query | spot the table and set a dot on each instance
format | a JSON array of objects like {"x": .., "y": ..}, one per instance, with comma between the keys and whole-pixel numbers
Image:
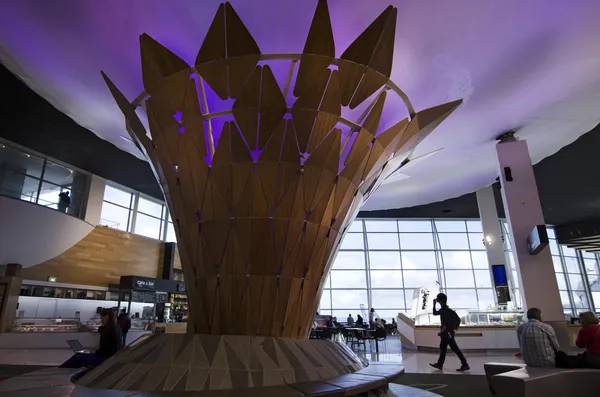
[{"x": 365, "y": 332}]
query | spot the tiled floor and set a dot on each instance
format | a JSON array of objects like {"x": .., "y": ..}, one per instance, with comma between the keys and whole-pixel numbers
[
  {"x": 418, "y": 362},
  {"x": 414, "y": 362}
]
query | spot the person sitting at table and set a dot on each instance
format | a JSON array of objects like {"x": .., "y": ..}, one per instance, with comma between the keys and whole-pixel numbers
[
  {"x": 330, "y": 322},
  {"x": 350, "y": 321},
  {"x": 589, "y": 338},
  {"x": 335, "y": 323},
  {"x": 359, "y": 321},
  {"x": 379, "y": 323}
]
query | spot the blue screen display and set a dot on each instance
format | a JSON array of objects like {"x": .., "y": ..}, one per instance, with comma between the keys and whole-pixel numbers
[{"x": 500, "y": 278}]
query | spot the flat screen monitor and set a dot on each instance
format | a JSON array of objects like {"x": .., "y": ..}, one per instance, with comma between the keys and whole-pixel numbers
[
  {"x": 537, "y": 240},
  {"x": 500, "y": 279}
]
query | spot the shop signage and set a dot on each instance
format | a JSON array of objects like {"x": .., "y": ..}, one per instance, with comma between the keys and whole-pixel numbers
[{"x": 145, "y": 283}]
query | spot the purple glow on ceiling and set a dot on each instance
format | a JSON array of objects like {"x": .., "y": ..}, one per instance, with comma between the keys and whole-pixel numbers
[{"x": 540, "y": 76}]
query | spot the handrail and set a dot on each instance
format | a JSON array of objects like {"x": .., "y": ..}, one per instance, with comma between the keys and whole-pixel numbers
[{"x": 45, "y": 206}]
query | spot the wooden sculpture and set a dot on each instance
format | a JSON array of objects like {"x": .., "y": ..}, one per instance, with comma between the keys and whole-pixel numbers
[{"x": 260, "y": 212}]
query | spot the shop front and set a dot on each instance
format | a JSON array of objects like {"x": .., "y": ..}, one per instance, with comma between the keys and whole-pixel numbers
[{"x": 164, "y": 300}]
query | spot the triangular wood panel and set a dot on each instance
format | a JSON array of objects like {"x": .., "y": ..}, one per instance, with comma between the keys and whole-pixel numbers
[
  {"x": 272, "y": 106},
  {"x": 319, "y": 49},
  {"x": 245, "y": 108},
  {"x": 242, "y": 51}
]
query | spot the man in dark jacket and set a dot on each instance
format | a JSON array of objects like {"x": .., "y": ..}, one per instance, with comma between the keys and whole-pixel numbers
[
  {"x": 124, "y": 321},
  {"x": 449, "y": 323}
]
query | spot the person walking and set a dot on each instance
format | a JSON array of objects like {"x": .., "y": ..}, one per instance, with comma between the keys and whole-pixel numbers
[
  {"x": 449, "y": 324},
  {"x": 124, "y": 321}
]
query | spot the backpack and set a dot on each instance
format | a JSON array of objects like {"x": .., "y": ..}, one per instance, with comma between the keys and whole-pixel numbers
[{"x": 455, "y": 320}]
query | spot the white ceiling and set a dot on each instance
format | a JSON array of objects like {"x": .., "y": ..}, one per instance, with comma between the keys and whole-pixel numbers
[{"x": 531, "y": 65}]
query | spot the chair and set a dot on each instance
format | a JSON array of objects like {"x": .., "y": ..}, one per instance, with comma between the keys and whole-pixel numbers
[
  {"x": 325, "y": 334},
  {"x": 379, "y": 335}
]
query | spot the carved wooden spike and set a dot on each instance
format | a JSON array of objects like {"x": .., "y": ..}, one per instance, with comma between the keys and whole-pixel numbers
[
  {"x": 367, "y": 133},
  {"x": 272, "y": 106},
  {"x": 372, "y": 121},
  {"x": 210, "y": 60},
  {"x": 223, "y": 150},
  {"x": 139, "y": 136},
  {"x": 240, "y": 43},
  {"x": 329, "y": 113},
  {"x": 319, "y": 42},
  {"x": 245, "y": 108},
  {"x": 423, "y": 124},
  {"x": 371, "y": 82},
  {"x": 213, "y": 47},
  {"x": 158, "y": 62},
  {"x": 387, "y": 137},
  {"x": 191, "y": 120},
  {"x": 239, "y": 150},
  {"x": 289, "y": 152},
  {"x": 371, "y": 49},
  {"x": 272, "y": 150},
  {"x": 305, "y": 109}
]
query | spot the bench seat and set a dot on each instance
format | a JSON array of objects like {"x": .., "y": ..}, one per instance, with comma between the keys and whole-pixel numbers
[{"x": 515, "y": 380}]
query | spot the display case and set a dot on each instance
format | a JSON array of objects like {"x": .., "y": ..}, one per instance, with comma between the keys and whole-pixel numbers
[
  {"x": 492, "y": 318},
  {"x": 24, "y": 324}
]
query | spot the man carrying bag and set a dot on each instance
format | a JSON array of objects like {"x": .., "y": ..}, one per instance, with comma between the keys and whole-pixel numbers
[{"x": 449, "y": 324}]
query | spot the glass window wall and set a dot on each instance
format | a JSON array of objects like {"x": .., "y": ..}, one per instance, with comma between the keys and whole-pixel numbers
[
  {"x": 382, "y": 262},
  {"x": 32, "y": 178}
]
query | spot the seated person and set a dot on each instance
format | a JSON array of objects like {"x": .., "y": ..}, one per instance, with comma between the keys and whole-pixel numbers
[
  {"x": 359, "y": 321},
  {"x": 589, "y": 338},
  {"x": 379, "y": 323},
  {"x": 350, "y": 321},
  {"x": 335, "y": 323},
  {"x": 330, "y": 322},
  {"x": 110, "y": 343},
  {"x": 537, "y": 341}
]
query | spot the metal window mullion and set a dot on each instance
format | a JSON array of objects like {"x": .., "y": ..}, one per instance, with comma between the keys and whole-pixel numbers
[
  {"x": 135, "y": 198},
  {"x": 401, "y": 267},
  {"x": 514, "y": 290},
  {"x": 439, "y": 259},
  {"x": 367, "y": 265},
  {"x": 471, "y": 260},
  {"x": 567, "y": 280},
  {"x": 165, "y": 220},
  {"x": 586, "y": 281},
  {"x": 37, "y": 198}
]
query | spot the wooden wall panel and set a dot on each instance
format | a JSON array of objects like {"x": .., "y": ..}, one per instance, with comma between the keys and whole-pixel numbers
[{"x": 101, "y": 258}]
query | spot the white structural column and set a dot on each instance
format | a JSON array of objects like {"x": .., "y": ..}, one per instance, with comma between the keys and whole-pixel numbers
[
  {"x": 492, "y": 233},
  {"x": 93, "y": 208},
  {"x": 537, "y": 277}
]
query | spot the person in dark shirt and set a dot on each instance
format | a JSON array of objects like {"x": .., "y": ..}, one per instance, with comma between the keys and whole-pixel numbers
[
  {"x": 449, "y": 323},
  {"x": 124, "y": 322},
  {"x": 109, "y": 344},
  {"x": 359, "y": 321},
  {"x": 64, "y": 201}
]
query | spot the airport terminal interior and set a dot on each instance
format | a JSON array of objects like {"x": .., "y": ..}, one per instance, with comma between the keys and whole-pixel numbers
[{"x": 299, "y": 198}]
